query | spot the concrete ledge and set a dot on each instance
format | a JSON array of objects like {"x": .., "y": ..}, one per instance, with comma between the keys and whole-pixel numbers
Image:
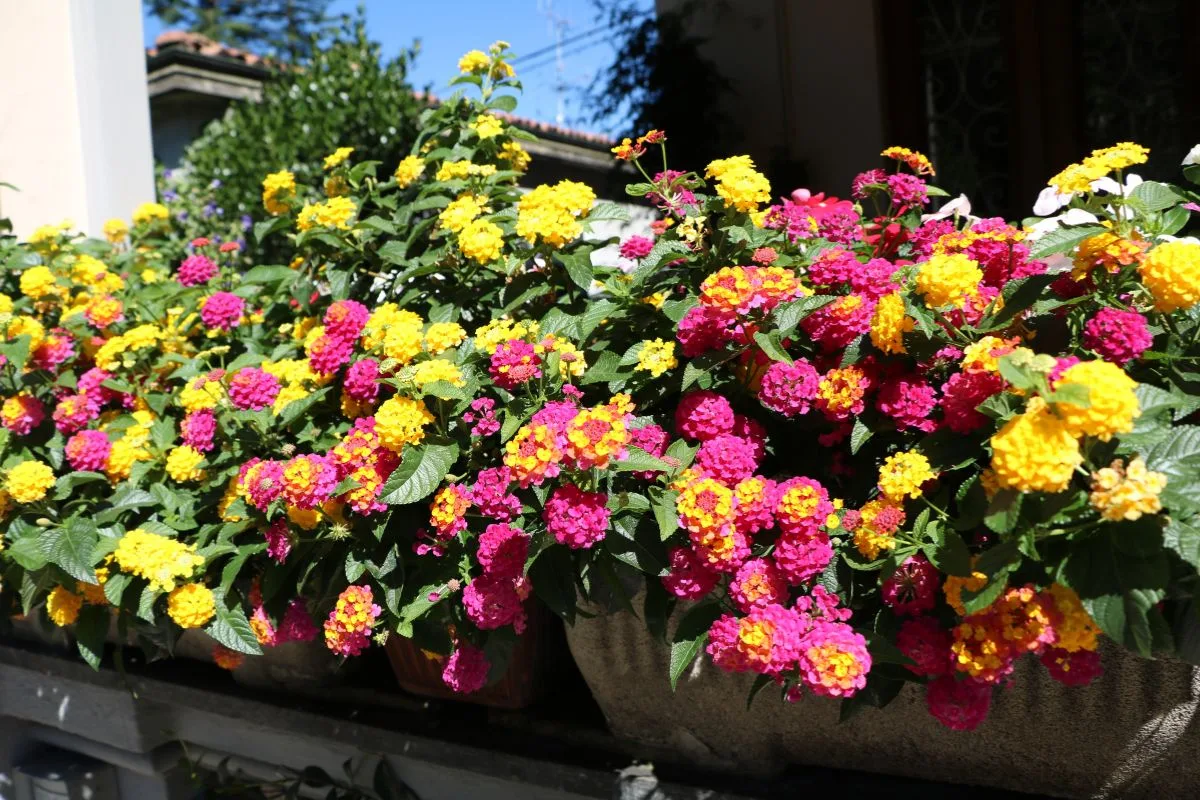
[
  {"x": 137, "y": 722},
  {"x": 196, "y": 80}
]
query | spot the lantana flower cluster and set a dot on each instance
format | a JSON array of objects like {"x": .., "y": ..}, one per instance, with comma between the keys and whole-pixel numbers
[{"x": 848, "y": 443}]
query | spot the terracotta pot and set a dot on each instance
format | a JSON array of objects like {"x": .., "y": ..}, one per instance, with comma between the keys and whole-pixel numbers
[
  {"x": 420, "y": 672},
  {"x": 1135, "y": 732},
  {"x": 289, "y": 666}
]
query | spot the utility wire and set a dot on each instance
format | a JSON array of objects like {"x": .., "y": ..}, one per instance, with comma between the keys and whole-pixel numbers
[
  {"x": 568, "y": 40},
  {"x": 550, "y": 49},
  {"x": 549, "y": 61}
]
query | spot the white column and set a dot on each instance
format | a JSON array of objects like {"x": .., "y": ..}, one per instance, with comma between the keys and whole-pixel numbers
[{"x": 74, "y": 114}]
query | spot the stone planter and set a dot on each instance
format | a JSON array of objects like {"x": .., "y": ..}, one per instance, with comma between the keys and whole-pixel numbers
[
  {"x": 1135, "y": 732},
  {"x": 34, "y": 627},
  {"x": 286, "y": 667}
]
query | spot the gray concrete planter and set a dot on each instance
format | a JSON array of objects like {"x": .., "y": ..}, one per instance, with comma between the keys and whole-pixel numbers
[{"x": 1135, "y": 732}]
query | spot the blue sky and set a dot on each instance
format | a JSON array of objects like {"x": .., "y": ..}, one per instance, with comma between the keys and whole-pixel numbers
[{"x": 448, "y": 28}]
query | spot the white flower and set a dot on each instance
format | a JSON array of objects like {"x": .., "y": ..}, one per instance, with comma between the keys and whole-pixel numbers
[
  {"x": 958, "y": 207},
  {"x": 1074, "y": 216},
  {"x": 1109, "y": 186},
  {"x": 1193, "y": 156},
  {"x": 1049, "y": 200}
]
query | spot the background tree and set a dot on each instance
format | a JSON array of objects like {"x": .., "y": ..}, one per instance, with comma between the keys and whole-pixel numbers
[
  {"x": 287, "y": 29},
  {"x": 659, "y": 79},
  {"x": 221, "y": 20}
]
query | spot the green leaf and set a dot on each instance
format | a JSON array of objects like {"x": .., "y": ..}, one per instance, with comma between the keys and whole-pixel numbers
[
  {"x": 65, "y": 485},
  {"x": 1183, "y": 537},
  {"x": 17, "y": 352},
  {"x": 680, "y": 454},
  {"x": 115, "y": 586},
  {"x": 637, "y": 545},
  {"x": 974, "y": 601},
  {"x": 691, "y": 636},
  {"x": 1063, "y": 239},
  {"x": 608, "y": 211},
  {"x": 354, "y": 567},
  {"x": 770, "y": 344},
  {"x": 232, "y": 629},
  {"x": 675, "y": 310},
  {"x": 788, "y": 315},
  {"x": 91, "y": 631},
  {"x": 662, "y": 502},
  {"x": 267, "y": 227},
  {"x": 70, "y": 548},
  {"x": 553, "y": 577},
  {"x": 883, "y": 686},
  {"x": 1155, "y": 196},
  {"x": 234, "y": 567},
  {"x": 760, "y": 682},
  {"x": 125, "y": 498},
  {"x": 639, "y": 460},
  {"x": 445, "y": 390},
  {"x": 657, "y": 608},
  {"x": 394, "y": 252},
  {"x": 1075, "y": 394},
  {"x": 579, "y": 267},
  {"x": 297, "y": 408},
  {"x": 859, "y": 435},
  {"x": 1116, "y": 559},
  {"x": 650, "y": 264},
  {"x": 1127, "y": 617},
  {"x": 560, "y": 323},
  {"x": 607, "y": 368},
  {"x": 421, "y": 470},
  {"x": 269, "y": 274},
  {"x": 948, "y": 552},
  {"x": 503, "y": 102},
  {"x": 1178, "y": 457},
  {"x": 630, "y": 356},
  {"x": 1019, "y": 375},
  {"x": 28, "y": 552},
  {"x": 596, "y": 312},
  {"x": 1004, "y": 511}
]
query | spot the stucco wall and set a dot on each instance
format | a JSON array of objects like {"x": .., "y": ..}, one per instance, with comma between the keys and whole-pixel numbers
[{"x": 74, "y": 120}]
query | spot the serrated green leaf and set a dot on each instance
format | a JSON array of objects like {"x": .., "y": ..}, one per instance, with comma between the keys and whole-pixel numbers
[
  {"x": 769, "y": 344},
  {"x": 788, "y": 315},
  {"x": 269, "y": 274},
  {"x": 231, "y": 628},
  {"x": 297, "y": 408},
  {"x": 662, "y": 502},
  {"x": 1003, "y": 511},
  {"x": 859, "y": 435},
  {"x": 638, "y": 460},
  {"x": 690, "y": 637},
  {"x": 637, "y": 545},
  {"x": 421, "y": 470},
  {"x": 91, "y": 630},
  {"x": 70, "y": 547},
  {"x": 1063, "y": 239}
]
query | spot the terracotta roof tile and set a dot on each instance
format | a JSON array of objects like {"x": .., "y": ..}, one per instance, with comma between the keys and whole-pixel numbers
[{"x": 205, "y": 46}]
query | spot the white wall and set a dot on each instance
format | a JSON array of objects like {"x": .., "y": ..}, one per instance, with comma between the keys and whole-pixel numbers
[{"x": 74, "y": 115}]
